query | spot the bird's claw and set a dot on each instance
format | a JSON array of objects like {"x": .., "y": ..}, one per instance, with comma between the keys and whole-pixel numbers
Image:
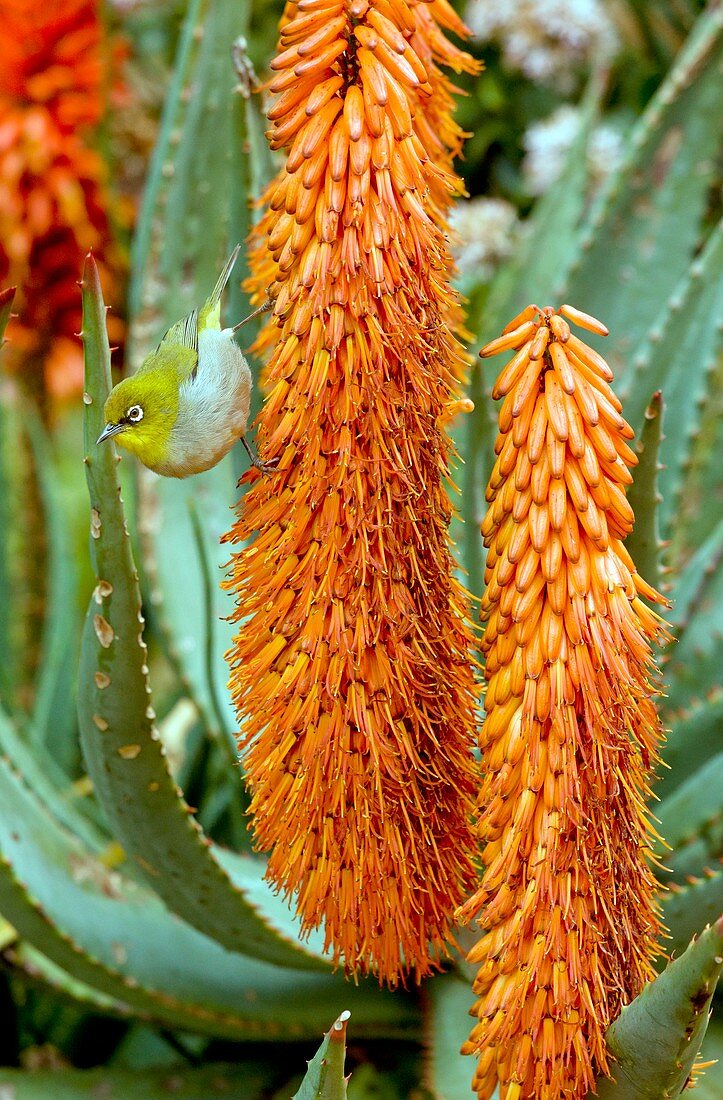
[{"x": 266, "y": 468}]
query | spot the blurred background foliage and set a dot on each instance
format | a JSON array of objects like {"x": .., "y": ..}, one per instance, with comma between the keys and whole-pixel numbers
[{"x": 584, "y": 178}]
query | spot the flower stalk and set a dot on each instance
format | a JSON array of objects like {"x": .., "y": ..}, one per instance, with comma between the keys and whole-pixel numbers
[
  {"x": 351, "y": 670},
  {"x": 571, "y": 735}
]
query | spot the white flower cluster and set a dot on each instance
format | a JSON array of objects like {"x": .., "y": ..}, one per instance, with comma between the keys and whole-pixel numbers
[
  {"x": 547, "y": 40},
  {"x": 548, "y": 142},
  {"x": 486, "y": 232}
]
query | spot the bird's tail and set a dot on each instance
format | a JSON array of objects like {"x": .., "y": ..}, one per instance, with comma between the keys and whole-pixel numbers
[{"x": 210, "y": 313}]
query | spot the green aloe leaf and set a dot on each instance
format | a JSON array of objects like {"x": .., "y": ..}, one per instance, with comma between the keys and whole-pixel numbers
[
  {"x": 252, "y": 170},
  {"x": 63, "y": 799},
  {"x": 125, "y": 758},
  {"x": 701, "y": 477},
  {"x": 643, "y": 543},
  {"x": 641, "y": 237},
  {"x": 689, "y": 743},
  {"x": 656, "y": 1038},
  {"x": 694, "y": 806},
  {"x": 708, "y": 1084},
  {"x": 53, "y": 717},
  {"x": 690, "y": 585},
  {"x": 183, "y": 228},
  {"x": 447, "y": 1024},
  {"x": 324, "y": 1079},
  {"x": 6, "y": 656},
  {"x": 245, "y": 1082},
  {"x": 116, "y": 937},
  {"x": 23, "y": 554},
  {"x": 39, "y": 970},
  {"x": 182, "y": 571},
  {"x": 693, "y": 665},
  {"x": 677, "y": 357},
  {"x": 530, "y": 275},
  {"x": 535, "y": 270},
  {"x": 686, "y": 908},
  {"x": 205, "y": 159}
]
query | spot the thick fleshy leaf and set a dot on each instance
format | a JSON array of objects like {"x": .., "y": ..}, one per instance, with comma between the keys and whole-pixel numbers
[
  {"x": 643, "y": 544},
  {"x": 178, "y": 246},
  {"x": 690, "y": 584},
  {"x": 687, "y": 907},
  {"x": 530, "y": 275},
  {"x": 642, "y": 235},
  {"x": 324, "y": 1079},
  {"x": 656, "y": 1039},
  {"x": 239, "y": 1082},
  {"x": 37, "y": 969},
  {"x": 694, "y": 664},
  {"x": 204, "y": 159},
  {"x": 536, "y": 269},
  {"x": 252, "y": 171},
  {"x": 114, "y": 936},
  {"x": 701, "y": 475},
  {"x": 709, "y": 1083},
  {"x": 6, "y": 522},
  {"x": 22, "y": 554},
  {"x": 125, "y": 758},
  {"x": 692, "y": 736},
  {"x": 69, "y": 804},
  {"x": 447, "y": 1072},
  {"x": 691, "y": 820},
  {"x": 53, "y": 724},
  {"x": 677, "y": 357},
  {"x": 695, "y": 806}
]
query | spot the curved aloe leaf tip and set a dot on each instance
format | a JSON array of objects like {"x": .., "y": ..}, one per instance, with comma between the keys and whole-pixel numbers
[
  {"x": 656, "y": 1039},
  {"x": 324, "y": 1079},
  {"x": 644, "y": 543}
]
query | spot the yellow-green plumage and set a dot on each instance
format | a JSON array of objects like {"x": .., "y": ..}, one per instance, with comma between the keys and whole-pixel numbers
[{"x": 188, "y": 403}]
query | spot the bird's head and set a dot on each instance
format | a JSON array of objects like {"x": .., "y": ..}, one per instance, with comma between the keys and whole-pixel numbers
[{"x": 140, "y": 413}]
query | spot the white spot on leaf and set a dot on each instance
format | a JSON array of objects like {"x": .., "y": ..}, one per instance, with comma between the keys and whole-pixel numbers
[{"x": 101, "y": 591}]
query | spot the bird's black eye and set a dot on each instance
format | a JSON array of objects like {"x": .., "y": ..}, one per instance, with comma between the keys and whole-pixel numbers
[{"x": 134, "y": 414}]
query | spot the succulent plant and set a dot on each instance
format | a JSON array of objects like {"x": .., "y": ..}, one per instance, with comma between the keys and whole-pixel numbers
[{"x": 128, "y": 885}]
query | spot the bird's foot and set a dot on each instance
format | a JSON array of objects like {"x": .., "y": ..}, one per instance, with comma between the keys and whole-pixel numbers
[
  {"x": 265, "y": 308},
  {"x": 265, "y": 468}
]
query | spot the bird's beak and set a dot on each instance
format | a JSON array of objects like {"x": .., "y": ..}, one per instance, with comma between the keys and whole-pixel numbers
[{"x": 108, "y": 431}]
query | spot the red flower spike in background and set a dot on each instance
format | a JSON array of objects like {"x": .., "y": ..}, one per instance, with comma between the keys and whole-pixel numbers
[
  {"x": 352, "y": 668},
  {"x": 570, "y": 736},
  {"x": 53, "y": 186}
]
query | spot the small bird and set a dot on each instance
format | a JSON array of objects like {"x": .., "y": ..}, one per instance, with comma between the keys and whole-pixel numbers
[{"x": 188, "y": 403}]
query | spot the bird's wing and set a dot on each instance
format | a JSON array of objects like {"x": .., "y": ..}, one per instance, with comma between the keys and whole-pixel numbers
[
  {"x": 183, "y": 333},
  {"x": 209, "y": 315},
  {"x": 180, "y": 344}
]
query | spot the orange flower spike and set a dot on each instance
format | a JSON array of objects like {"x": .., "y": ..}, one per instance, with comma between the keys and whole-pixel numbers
[
  {"x": 566, "y": 900},
  {"x": 352, "y": 668}
]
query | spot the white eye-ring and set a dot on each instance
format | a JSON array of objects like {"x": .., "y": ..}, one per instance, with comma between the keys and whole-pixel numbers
[{"x": 134, "y": 414}]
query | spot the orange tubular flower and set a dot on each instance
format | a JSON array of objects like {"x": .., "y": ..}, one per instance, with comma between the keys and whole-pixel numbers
[
  {"x": 571, "y": 734},
  {"x": 53, "y": 201},
  {"x": 352, "y": 669}
]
